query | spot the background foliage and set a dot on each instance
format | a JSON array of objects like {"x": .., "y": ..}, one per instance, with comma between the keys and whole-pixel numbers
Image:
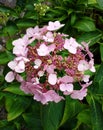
[{"x": 83, "y": 20}]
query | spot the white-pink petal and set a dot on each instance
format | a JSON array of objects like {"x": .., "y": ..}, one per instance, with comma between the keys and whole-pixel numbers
[
  {"x": 37, "y": 62},
  {"x": 30, "y": 32},
  {"x": 51, "y": 47},
  {"x": 40, "y": 73},
  {"x": 18, "y": 42},
  {"x": 43, "y": 50},
  {"x": 71, "y": 45},
  {"x": 49, "y": 68},
  {"x": 20, "y": 67},
  {"x": 79, "y": 94},
  {"x": 86, "y": 78},
  {"x": 19, "y": 78},
  {"x": 91, "y": 65},
  {"x": 54, "y": 26},
  {"x": 83, "y": 65},
  {"x": 48, "y": 37},
  {"x": 49, "y": 96},
  {"x": 10, "y": 76},
  {"x": 12, "y": 65},
  {"x": 66, "y": 87},
  {"x": 66, "y": 79},
  {"x": 52, "y": 79}
]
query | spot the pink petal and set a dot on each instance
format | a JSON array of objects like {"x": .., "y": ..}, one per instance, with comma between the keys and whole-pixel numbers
[
  {"x": 18, "y": 42},
  {"x": 19, "y": 78},
  {"x": 83, "y": 65},
  {"x": 86, "y": 85},
  {"x": 48, "y": 37},
  {"x": 66, "y": 79},
  {"x": 38, "y": 62},
  {"x": 10, "y": 76},
  {"x": 19, "y": 50},
  {"x": 51, "y": 47},
  {"x": 86, "y": 78},
  {"x": 62, "y": 87},
  {"x": 67, "y": 45},
  {"x": 91, "y": 65},
  {"x": 66, "y": 87},
  {"x": 52, "y": 79},
  {"x": 72, "y": 50},
  {"x": 43, "y": 50},
  {"x": 54, "y": 26},
  {"x": 40, "y": 97},
  {"x": 51, "y": 95},
  {"x": 30, "y": 32},
  {"x": 12, "y": 65},
  {"x": 24, "y": 87},
  {"x": 20, "y": 67},
  {"x": 71, "y": 45},
  {"x": 49, "y": 68},
  {"x": 40, "y": 73},
  {"x": 79, "y": 94}
]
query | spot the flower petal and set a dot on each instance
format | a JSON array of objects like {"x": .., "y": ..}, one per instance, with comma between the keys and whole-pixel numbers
[
  {"x": 43, "y": 50},
  {"x": 54, "y": 26},
  {"x": 52, "y": 79},
  {"x": 10, "y": 76},
  {"x": 12, "y": 65},
  {"x": 66, "y": 87},
  {"x": 79, "y": 94}
]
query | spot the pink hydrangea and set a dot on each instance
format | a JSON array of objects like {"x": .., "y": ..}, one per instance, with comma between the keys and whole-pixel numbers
[{"x": 52, "y": 65}]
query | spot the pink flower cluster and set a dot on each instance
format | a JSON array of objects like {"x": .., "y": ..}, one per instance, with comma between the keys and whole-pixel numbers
[{"x": 52, "y": 63}]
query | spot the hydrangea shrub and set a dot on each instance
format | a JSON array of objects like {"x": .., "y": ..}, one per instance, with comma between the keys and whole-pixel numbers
[{"x": 48, "y": 63}]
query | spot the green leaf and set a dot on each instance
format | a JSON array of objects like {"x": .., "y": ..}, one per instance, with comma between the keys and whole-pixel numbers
[
  {"x": 8, "y": 127},
  {"x": 98, "y": 80},
  {"x": 6, "y": 9},
  {"x": 3, "y": 123},
  {"x": 82, "y": 2},
  {"x": 1, "y": 79},
  {"x": 16, "y": 105},
  {"x": 84, "y": 117},
  {"x": 72, "y": 107},
  {"x": 9, "y": 45},
  {"x": 33, "y": 121},
  {"x": 29, "y": 7},
  {"x": 101, "y": 52},
  {"x": 92, "y": 1},
  {"x": 85, "y": 25},
  {"x": 90, "y": 37},
  {"x": 52, "y": 115},
  {"x": 24, "y": 23},
  {"x": 14, "y": 88},
  {"x": 73, "y": 18},
  {"x": 33, "y": 117},
  {"x": 5, "y": 57},
  {"x": 96, "y": 114},
  {"x": 62, "y": 18},
  {"x": 10, "y": 29},
  {"x": 100, "y": 2},
  {"x": 1, "y": 95}
]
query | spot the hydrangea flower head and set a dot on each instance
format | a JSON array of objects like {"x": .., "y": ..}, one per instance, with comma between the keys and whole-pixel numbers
[{"x": 52, "y": 66}]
